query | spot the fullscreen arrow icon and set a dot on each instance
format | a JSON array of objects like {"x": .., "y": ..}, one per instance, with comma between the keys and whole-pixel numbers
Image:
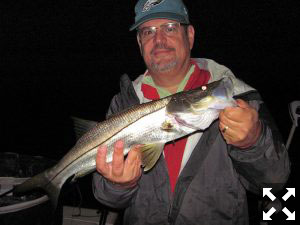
[
  {"x": 290, "y": 192},
  {"x": 267, "y": 191}
]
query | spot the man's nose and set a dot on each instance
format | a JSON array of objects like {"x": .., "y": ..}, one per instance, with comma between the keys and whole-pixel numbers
[{"x": 159, "y": 36}]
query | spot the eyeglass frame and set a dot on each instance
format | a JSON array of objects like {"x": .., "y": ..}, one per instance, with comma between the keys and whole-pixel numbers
[{"x": 154, "y": 28}]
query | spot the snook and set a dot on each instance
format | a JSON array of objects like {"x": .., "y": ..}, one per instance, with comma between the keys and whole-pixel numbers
[{"x": 151, "y": 124}]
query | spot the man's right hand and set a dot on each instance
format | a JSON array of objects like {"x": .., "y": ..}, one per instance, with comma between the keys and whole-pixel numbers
[{"x": 124, "y": 173}]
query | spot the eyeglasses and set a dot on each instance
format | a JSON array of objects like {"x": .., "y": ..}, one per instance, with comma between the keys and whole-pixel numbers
[{"x": 169, "y": 29}]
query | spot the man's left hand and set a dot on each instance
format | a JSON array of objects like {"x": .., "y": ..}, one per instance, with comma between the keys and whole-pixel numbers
[{"x": 240, "y": 126}]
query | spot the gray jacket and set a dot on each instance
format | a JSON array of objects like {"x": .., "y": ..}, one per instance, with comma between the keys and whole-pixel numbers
[{"x": 211, "y": 187}]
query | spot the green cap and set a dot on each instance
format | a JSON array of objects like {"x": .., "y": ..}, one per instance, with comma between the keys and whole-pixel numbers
[{"x": 146, "y": 10}]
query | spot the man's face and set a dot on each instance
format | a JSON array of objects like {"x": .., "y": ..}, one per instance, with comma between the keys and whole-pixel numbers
[{"x": 163, "y": 51}]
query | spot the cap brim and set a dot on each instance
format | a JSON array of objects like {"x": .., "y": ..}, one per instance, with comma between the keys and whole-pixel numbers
[{"x": 160, "y": 15}]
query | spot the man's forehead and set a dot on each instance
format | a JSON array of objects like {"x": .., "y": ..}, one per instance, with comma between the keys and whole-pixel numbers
[{"x": 155, "y": 22}]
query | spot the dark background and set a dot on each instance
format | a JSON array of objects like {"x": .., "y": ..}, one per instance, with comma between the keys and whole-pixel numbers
[{"x": 64, "y": 58}]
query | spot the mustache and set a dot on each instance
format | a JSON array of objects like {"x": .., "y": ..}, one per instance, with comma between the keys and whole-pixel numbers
[{"x": 162, "y": 46}]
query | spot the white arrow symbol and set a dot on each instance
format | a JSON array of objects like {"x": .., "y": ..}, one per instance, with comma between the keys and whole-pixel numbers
[
  {"x": 267, "y": 191},
  {"x": 291, "y": 216},
  {"x": 290, "y": 192},
  {"x": 267, "y": 215}
]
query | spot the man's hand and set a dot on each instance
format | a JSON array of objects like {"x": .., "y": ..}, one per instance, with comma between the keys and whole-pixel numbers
[
  {"x": 240, "y": 126},
  {"x": 124, "y": 173}
]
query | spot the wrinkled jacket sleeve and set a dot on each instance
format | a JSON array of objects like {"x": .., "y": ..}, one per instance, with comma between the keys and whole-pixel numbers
[
  {"x": 266, "y": 164},
  {"x": 111, "y": 195},
  {"x": 104, "y": 191}
]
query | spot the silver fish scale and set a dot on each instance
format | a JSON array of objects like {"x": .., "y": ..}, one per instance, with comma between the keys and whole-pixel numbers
[
  {"x": 148, "y": 130},
  {"x": 104, "y": 131}
]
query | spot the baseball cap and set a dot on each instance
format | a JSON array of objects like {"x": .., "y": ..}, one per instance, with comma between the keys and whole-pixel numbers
[{"x": 146, "y": 10}]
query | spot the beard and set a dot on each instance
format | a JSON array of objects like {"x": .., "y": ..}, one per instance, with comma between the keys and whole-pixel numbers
[
  {"x": 165, "y": 64},
  {"x": 163, "y": 67}
]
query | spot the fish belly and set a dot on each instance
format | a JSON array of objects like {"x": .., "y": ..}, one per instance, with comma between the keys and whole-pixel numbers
[{"x": 148, "y": 130}]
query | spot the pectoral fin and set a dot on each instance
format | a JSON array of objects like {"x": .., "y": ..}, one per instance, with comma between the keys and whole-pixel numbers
[
  {"x": 150, "y": 154},
  {"x": 83, "y": 172}
]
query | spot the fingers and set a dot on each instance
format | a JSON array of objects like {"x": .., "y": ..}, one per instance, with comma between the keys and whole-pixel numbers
[
  {"x": 228, "y": 119},
  {"x": 242, "y": 104},
  {"x": 238, "y": 124},
  {"x": 227, "y": 132},
  {"x": 134, "y": 156},
  {"x": 101, "y": 165},
  {"x": 233, "y": 114},
  {"x": 118, "y": 159},
  {"x": 133, "y": 163},
  {"x": 120, "y": 171}
]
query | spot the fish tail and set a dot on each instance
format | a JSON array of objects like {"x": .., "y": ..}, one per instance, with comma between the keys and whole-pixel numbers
[
  {"x": 37, "y": 181},
  {"x": 40, "y": 181}
]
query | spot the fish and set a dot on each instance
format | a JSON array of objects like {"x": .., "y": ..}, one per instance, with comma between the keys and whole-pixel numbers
[{"x": 150, "y": 125}]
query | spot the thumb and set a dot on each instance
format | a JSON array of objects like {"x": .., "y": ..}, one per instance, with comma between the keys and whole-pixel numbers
[{"x": 242, "y": 104}]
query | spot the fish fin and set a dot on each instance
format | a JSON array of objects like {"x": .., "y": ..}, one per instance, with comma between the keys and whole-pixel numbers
[
  {"x": 40, "y": 181},
  {"x": 35, "y": 182},
  {"x": 82, "y": 173},
  {"x": 150, "y": 154},
  {"x": 53, "y": 192},
  {"x": 81, "y": 126}
]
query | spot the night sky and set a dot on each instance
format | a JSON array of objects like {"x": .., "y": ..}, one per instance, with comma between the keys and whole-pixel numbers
[{"x": 64, "y": 58}]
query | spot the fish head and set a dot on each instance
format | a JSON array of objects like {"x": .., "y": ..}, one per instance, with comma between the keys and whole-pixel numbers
[{"x": 199, "y": 107}]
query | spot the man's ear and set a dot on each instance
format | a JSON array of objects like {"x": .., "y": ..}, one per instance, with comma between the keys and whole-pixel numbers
[{"x": 191, "y": 35}]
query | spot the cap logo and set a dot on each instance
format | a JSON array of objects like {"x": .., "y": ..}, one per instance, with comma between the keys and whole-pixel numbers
[
  {"x": 150, "y": 4},
  {"x": 185, "y": 11}
]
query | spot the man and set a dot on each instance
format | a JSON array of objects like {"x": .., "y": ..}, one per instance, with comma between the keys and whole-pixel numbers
[{"x": 200, "y": 179}]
